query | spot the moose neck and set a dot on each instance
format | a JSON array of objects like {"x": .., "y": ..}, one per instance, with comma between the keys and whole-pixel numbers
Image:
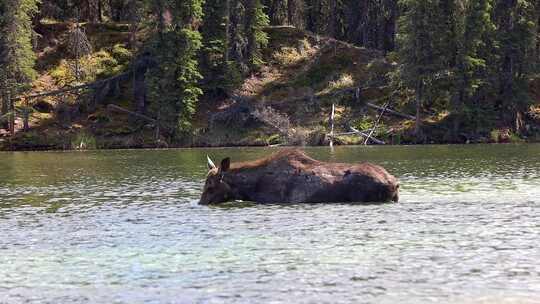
[{"x": 242, "y": 182}]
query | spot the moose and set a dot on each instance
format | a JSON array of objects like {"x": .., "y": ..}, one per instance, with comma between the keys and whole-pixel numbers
[{"x": 290, "y": 176}]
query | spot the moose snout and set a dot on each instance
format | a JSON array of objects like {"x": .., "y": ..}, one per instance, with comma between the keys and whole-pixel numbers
[{"x": 395, "y": 197}]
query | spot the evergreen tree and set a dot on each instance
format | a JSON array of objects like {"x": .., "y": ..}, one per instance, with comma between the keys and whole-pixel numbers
[
  {"x": 214, "y": 58},
  {"x": 173, "y": 83},
  {"x": 256, "y": 19},
  {"x": 17, "y": 57},
  {"x": 516, "y": 37},
  {"x": 469, "y": 66},
  {"x": 419, "y": 62}
]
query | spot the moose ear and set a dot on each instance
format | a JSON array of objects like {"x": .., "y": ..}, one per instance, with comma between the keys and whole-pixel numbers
[
  {"x": 225, "y": 164},
  {"x": 210, "y": 163}
]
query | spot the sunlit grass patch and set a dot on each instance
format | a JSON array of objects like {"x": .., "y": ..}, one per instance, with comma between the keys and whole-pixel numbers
[
  {"x": 345, "y": 80},
  {"x": 288, "y": 56}
]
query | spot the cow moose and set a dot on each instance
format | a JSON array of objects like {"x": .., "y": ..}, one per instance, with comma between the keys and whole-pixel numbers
[{"x": 290, "y": 176}]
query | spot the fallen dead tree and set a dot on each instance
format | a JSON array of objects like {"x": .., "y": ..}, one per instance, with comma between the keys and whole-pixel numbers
[
  {"x": 95, "y": 84},
  {"x": 115, "y": 108},
  {"x": 376, "y": 123},
  {"x": 157, "y": 123},
  {"x": 356, "y": 91},
  {"x": 389, "y": 111},
  {"x": 355, "y": 131},
  {"x": 367, "y": 136}
]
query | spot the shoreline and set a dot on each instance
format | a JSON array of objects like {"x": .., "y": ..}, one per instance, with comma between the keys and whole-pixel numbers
[{"x": 181, "y": 147}]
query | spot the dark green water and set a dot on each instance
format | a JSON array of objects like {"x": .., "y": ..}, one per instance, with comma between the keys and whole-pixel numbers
[{"x": 125, "y": 227}]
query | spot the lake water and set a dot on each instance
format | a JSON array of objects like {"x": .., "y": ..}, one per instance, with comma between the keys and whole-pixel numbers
[{"x": 125, "y": 227}]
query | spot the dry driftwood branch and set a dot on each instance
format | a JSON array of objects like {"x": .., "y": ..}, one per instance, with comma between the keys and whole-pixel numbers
[
  {"x": 376, "y": 123},
  {"x": 390, "y": 111},
  {"x": 332, "y": 115},
  {"x": 357, "y": 132},
  {"x": 375, "y": 140},
  {"x": 116, "y": 108}
]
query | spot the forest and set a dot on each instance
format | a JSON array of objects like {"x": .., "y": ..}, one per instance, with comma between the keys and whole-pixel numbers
[{"x": 168, "y": 73}]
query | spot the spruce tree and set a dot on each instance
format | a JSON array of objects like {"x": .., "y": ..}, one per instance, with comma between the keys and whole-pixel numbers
[
  {"x": 516, "y": 37},
  {"x": 256, "y": 19},
  {"x": 419, "y": 61},
  {"x": 215, "y": 54},
  {"x": 17, "y": 57},
  {"x": 174, "y": 82},
  {"x": 470, "y": 63}
]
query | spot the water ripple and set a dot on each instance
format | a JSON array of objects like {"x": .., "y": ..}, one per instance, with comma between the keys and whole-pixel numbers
[{"x": 125, "y": 227}]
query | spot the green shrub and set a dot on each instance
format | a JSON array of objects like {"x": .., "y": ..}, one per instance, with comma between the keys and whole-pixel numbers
[
  {"x": 122, "y": 54},
  {"x": 101, "y": 64},
  {"x": 83, "y": 141}
]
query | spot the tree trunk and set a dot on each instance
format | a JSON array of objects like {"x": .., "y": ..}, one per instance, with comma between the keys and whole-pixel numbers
[
  {"x": 458, "y": 101},
  {"x": 3, "y": 111},
  {"x": 505, "y": 111},
  {"x": 291, "y": 12},
  {"x": 390, "y": 26},
  {"x": 88, "y": 7},
  {"x": 419, "y": 96},
  {"x": 26, "y": 119},
  {"x": 333, "y": 30},
  {"x": 99, "y": 11},
  {"x": 11, "y": 119},
  {"x": 227, "y": 31},
  {"x": 111, "y": 10},
  {"x": 250, "y": 30}
]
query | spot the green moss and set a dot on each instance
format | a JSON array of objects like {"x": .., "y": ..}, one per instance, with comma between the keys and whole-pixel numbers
[
  {"x": 514, "y": 138},
  {"x": 274, "y": 139},
  {"x": 121, "y": 54}
]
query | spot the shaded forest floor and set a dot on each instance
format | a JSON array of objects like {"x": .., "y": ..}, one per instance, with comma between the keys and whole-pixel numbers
[{"x": 287, "y": 101}]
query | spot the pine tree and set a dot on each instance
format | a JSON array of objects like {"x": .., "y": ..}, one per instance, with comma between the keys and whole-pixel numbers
[
  {"x": 17, "y": 57},
  {"x": 215, "y": 52},
  {"x": 419, "y": 62},
  {"x": 473, "y": 28},
  {"x": 370, "y": 23},
  {"x": 516, "y": 37},
  {"x": 256, "y": 19},
  {"x": 174, "y": 82}
]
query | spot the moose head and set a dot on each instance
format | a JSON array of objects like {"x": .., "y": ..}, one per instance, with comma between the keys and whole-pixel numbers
[{"x": 216, "y": 189}]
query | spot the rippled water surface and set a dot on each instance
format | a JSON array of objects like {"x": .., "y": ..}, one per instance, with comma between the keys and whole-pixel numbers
[{"x": 125, "y": 227}]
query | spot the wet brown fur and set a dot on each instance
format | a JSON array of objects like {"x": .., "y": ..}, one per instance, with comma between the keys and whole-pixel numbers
[{"x": 290, "y": 176}]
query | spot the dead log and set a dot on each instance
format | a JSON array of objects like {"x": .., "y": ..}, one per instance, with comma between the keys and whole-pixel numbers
[
  {"x": 332, "y": 126},
  {"x": 375, "y": 140},
  {"x": 119, "y": 109},
  {"x": 357, "y": 132},
  {"x": 376, "y": 123},
  {"x": 390, "y": 111}
]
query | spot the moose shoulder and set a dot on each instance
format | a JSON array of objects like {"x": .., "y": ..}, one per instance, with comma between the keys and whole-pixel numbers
[{"x": 290, "y": 176}]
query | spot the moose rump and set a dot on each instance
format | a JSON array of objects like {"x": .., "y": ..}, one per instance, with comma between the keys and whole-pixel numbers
[{"x": 290, "y": 176}]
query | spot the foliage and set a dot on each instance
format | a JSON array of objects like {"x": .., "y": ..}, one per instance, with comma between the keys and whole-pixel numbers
[
  {"x": 288, "y": 56},
  {"x": 83, "y": 141},
  {"x": 472, "y": 60},
  {"x": 460, "y": 54},
  {"x": 173, "y": 83},
  {"x": 101, "y": 64},
  {"x": 17, "y": 57}
]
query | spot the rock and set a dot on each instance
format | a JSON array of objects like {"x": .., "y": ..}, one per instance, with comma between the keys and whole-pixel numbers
[{"x": 43, "y": 107}]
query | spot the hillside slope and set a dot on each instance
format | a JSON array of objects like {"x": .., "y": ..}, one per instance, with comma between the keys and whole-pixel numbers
[{"x": 287, "y": 101}]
